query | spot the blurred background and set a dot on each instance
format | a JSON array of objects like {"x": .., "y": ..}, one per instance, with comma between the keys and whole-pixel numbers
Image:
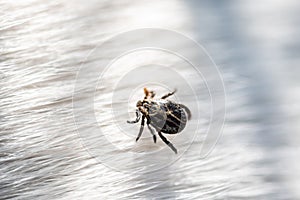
[{"x": 44, "y": 44}]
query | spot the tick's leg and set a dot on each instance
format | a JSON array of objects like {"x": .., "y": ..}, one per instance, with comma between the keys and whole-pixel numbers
[
  {"x": 152, "y": 94},
  {"x": 169, "y": 94},
  {"x": 148, "y": 93},
  {"x": 187, "y": 110},
  {"x": 167, "y": 142},
  {"x": 138, "y": 116},
  {"x": 141, "y": 129},
  {"x": 151, "y": 130}
]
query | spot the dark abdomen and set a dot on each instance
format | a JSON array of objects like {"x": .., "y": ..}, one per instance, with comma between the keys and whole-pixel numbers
[{"x": 171, "y": 118}]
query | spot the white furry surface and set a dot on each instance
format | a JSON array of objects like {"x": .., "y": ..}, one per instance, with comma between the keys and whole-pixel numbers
[{"x": 42, "y": 46}]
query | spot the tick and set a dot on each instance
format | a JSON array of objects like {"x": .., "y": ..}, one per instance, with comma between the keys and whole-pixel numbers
[{"x": 163, "y": 115}]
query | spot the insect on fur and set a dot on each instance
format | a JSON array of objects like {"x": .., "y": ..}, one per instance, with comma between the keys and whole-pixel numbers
[{"x": 161, "y": 114}]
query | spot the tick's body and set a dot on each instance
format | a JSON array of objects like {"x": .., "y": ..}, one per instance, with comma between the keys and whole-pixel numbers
[
  {"x": 167, "y": 116},
  {"x": 163, "y": 115}
]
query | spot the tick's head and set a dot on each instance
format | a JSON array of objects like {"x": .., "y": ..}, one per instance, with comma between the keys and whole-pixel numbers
[
  {"x": 144, "y": 103},
  {"x": 144, "y": 106}
]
